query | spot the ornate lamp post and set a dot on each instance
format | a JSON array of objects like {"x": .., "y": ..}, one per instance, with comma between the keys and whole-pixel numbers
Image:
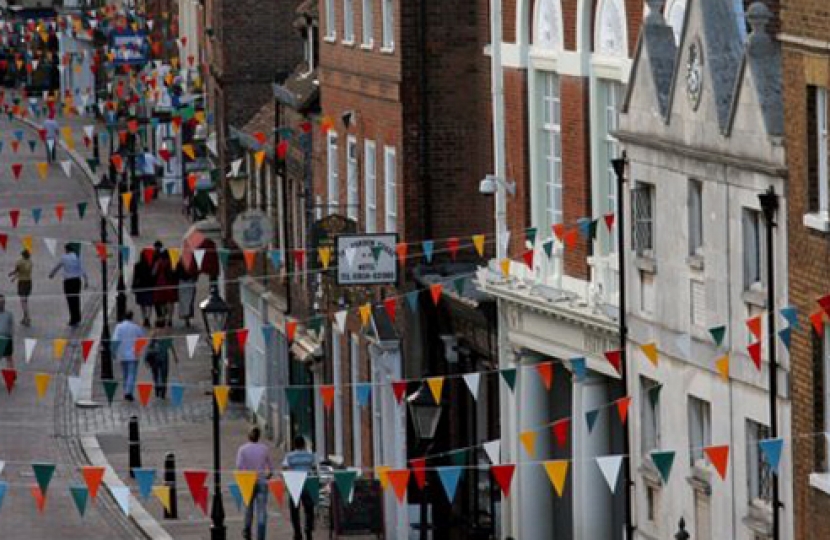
[{"x": 425, "y": 414}]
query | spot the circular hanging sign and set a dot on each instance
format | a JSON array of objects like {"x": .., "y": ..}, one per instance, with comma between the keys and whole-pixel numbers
[{"x": 252, "y": 229}]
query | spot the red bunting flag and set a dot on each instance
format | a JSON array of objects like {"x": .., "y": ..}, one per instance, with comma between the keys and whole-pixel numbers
[
  {"x": 250, "y": 259},
  {"x": 401, "y": 249},
  {"x": 559, "y": 230},
  {"x": 545, "y": 371},
  {"x": 260, "y": 137},
  {"x": 305, "y": 127},
  {"x": 290, "y": 330},
  {"x": 571, "y": 238},
  {"x": 86, "y": 347},
  {"x": 824, "y": 302},
  {"x": 561, "y": 428},
  {"x": 148, "y": 253},
  {"x": 144, "y": 389},
  {"x": 754, "y": 325},
  {"x": 132, "y": 125},
  {"x": 527, "y": 256},
  {"x": 435, "y": 290},
  {"x": 755, "y": 353},
  {"x": 614, "y": 358},
  {"x": 503, "y": 474},
  {"x": 390, "y": 305},
  {"x": 117, "y": 162},
  {"x": 609, "y": 221},
  {"x": 277, "y": 488},
  {"x": 140, "y": 345},
  {"x": 93, "y": 476},
  {"x": 242, "y": 338},
  {"x": 40, "y": 498},
  {"x": 299, "y": 258},
  {"x": 452, "y": 246},
  {"x": 149, "y": 193},
  {"x": 14, "y": 216},
  {"x": 817, "y": 319},
  {"x": 59, "y": 208},
  {"x": 282, "y": 149},
  {"x": 165, "y": 154},
  {"x": 419, "y": 471},
  {"x": 399, "y": 480},
  {"x": 4, "y": 241},
  {"x": 9, "y": 377},
  {"x": 719, "y": 457},
  {"x": 327, "y": 393},
  {"x": 101, "y": 249},
  {"x": 196, "y": 483},
  {"x": 622, "y": 408},
  {"x": 399, "y": 389}
]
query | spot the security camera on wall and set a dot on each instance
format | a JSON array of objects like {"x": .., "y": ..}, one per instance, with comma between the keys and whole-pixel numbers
[{"x": 487, "y": 186}]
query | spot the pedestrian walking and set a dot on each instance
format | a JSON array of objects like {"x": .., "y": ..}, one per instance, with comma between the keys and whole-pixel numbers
[
  {"x": 6, "y": 333},
  {"x": 143, "y": 284},
  {"x": 51, "y": 127},
  {"x": 165, "y": 291},
  {"x": 300, "y": 459},
  {"x": 126, "y": 333},
  {"x": 73, "y": 275},
  {"x": 157, "y": 357},
  {"x": 187, "y": 291},
  {"x": 256, "y": 456},
  {"x": 22, "y": 273}
]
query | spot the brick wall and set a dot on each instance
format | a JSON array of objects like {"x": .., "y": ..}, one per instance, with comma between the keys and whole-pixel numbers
[
  {"x": 809, "y": 263},
  {"x": 576, "y": 167}
]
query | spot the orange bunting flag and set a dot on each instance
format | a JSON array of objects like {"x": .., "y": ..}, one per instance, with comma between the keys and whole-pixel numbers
[
  {"x": 528, "y": 439},
  {"x": 324, "y": 254},
  {"x": 719, "y": 458},
  {"x": 722, "y": 365},
  {"x": 327, "y": 393},
  {"x": 277, "y": 488},
  {"x": 390, "y": 305},
  {"x": 436, "y": 387},
  {"x": 478, "y": 243},
  {"x": 545, "y": 371},
  {"x": 817, "y": 319},
  {"x": 58, "y": 346},
  {"x": 217, "y": 339},
  {"x": 382, "y": 471},
  {"x": 755, "y": 353},
  {"x": 42, "y": 384},
  {"x": 559, "y": 230},
  {"x": 399, "y": 480},
  {"x": 250, "y": 259},
  {"x": 557, "y": 473},
  {"x": 754, "y": 325},
  {"x": 140, "y": 345},
  {"x": 259, "y": 159},
  {"x": 622, "y": 408},
  {"x": 435, "y": 290},
  {"x": 189, "y": 151},
  {"x": 144, "y": 390},
  {"x": 365, "y": 314},
  {"x": 650, "y": 350},
  {"x": 220, "y": 393},
  {"x": 59, "y": 209},
  {"x": 401, "y": 249},
  {"x": 326, "y": 124},
  {"x": 290, "y": 330},
  {"x": 101, "y": 249},
  {"x": 40, "y": 498},
  {"x": 27, "y": 243},
  {"x": 42, "y": 170}
]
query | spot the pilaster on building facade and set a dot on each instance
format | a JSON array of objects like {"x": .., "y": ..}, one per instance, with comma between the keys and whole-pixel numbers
[
  {"x": 804, "y": 28},
  {"x": 703, "y": 131},
  {"x": 566, "y": 70}
]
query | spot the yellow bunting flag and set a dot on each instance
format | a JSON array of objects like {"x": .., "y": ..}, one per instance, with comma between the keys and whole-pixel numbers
[
  {"x": 189, "y": 151},
  {"x": 324, "y": 254},
  {"x": 67, "y": 137},
  {"x": 126, "y": 199},
  {"x": 557, "y": 472},
  {"x": 246, "y": 480},
  {"x": 27, "y": 243},
  {"x": 505, "y": 267},
  {"x": 162, "y": 493},
  {"x": 58, "y": 346},
  {"x": 478, "y": 242},
  {"x": 365, "y": 313},
  {"x": 650, "y": 350},
  {"x": 381, "y": 471},
  {"x": 175, "y": 254},
  {"x": 42, "y": 384},
  {"x": 250, "y": 259},
  {"x": 528, "y": 439},
  {"x": 722, "y": 365},
  {"x": 220, "y": 393},
  {"x": 42, "y": 170},
  {"x": 436, "y": 385},
  {"x": 259, "y": 159},
  {"x": 218, "y": 340},
  {"x": 199, "y": 116}
]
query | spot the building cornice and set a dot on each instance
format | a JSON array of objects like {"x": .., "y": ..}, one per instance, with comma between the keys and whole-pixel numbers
[{"x": 790, "y": 41}]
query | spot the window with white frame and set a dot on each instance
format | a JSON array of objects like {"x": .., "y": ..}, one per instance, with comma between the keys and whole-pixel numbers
[
  {"x": 357, "y": 416},
  {"x": 333, "y": 178},
  {"x": 352, "y": 204},
  {"x": 388, "y": 24},
  {"x": 337, "y": 371},
  {"x": 822, "y": 355},
  {"x": 348, "y": 21},
  {"x": 642, "y": 210},
  {"x": 331, "y": 20},
  {"x": 759, "y": 473},
  {"x": 371, "y": 187},
  {"x": 754, "y": 252},
  {"x": 390, "y": 189},
  {"x": 609, "y": 94},
  {"x": 700, "y": 429},
  {"x": 818, "y": 158},
  {"x": 695, "y": 211},
  {"x": 368, "y": 23},
  {"x": 551, "y": 147},
  {"x": 650, "y": 415}
]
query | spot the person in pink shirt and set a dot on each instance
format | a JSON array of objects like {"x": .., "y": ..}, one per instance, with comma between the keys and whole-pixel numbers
[{"x": 256, "y": 456}]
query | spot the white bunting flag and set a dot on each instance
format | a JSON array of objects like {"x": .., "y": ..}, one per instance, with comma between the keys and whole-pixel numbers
[
  {"x": 192, "y": 340},
  {"x": 2, "y": 466},
  {"x": 255, "y": 394},
  {"x": 340, "y": 319},
  {"x": 67, "y": 168},
  {"x": 74, "y": 387},
  {"x": 235, "y": 167},
  {"x": 51, "y": 245},
  {"x": 493, "y": 449},
  {"x": 150, "y": 25},
  {"x": 199, "y": 255},
  {"x": 610, "y": 467},
  {"x": 350, "y": 254},
  {"x": 473, "y": 380},
  {"x": 294, "y": 481},
  {"x": 121, "y": 494},
  {"x": 29, "y": 345},
  {"x": 89, "y": 131},
  {"x": 504, "y": 238}
]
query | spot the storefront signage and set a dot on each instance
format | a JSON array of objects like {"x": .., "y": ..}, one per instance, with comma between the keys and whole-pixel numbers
[{"x": 367, "y": 259}]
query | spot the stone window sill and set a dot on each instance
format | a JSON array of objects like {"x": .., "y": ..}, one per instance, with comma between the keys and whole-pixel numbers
[
  {"x": 331, "y": 39},
  {"x": 348, "y": 42},
  {"x": 696, "y": 262},
  {"x": 755, "y": 297},
  {"x": 367, "y": 46},
  {"x": 646, "y": 263},
  {"x": 821, "y": 482},
  {"x": 819, "y": 221},
  {"x": 387, "y": 50}
]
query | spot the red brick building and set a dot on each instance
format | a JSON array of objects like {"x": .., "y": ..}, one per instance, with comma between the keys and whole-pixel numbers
[{"x": 804, "y": 28}]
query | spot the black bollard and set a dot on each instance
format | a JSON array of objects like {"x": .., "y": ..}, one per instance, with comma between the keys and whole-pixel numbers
[
  {"x": 170, "y": 481},
  {"x": 134, "y": 445}
]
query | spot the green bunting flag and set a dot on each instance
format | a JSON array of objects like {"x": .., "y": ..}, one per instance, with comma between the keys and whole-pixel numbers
[
  {"x": 80, "y": 495},
  {"x": 530, "y": 234},
  {"x": 316, "y": 323},
  {"x": 591, "y": 419},
  {"x": 344, "y": 480},
  {"x": 224, "y": 257},
  {"x": 718, "y": 333},
  {"x": 663, "y": 461},
  {"x": 376, "y": 251},
  {"x": 548, "y": 247},
  {"x": 43, "y": 474},
  {"x": 509, "y": 376},
  {"x": 109, "y": 389},
  {"x": 459, "y": 284},
  {"x": 312, "y": 488},
  {"x": 81, "y": 210}
]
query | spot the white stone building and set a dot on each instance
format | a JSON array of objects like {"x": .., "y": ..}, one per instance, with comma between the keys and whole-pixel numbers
[{"x": 702, "y": 127}]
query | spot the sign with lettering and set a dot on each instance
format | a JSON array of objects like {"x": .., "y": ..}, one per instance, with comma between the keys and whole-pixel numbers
[{"x": 366, "y": 259}]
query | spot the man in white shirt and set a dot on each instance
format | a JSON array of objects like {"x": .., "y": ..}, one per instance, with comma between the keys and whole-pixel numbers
[
  {"x": 73, "y": 274},
  {"x": 125, "y": 335},
  {"x": 301, "y": 459},
  {"x": 51, "y": 127}
]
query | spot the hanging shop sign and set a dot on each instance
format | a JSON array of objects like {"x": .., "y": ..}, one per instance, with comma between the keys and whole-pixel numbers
[
  {"x": 367, "y": 259},
  {"x": 252, "y": 230}
]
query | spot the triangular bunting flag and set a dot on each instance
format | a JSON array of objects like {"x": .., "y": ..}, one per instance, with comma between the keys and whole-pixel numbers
[
  {"x": 561, "y": 429},
  {"x": 503, "y": 474},
  {"x": 220, "y": 393},
  {"x": 399, "y": 480},
  {"x": 509, "y": 376},
  {"x": 493, "y": 451},
  {"x": 192, "y": 340},
  {"x": 650, "y": 350},
  {"x": 145, "y": 479},
  {"x": 43, "y": 474},
  {"x": 363, "y": 393},
  {"x": 473, "y": 380},
  {"x": 144, "y": 390},
  {"x": 622, "y": 408},
  {"x": 162, "y": 493},
  {"x": 719, "y": 458},
  {"x": 615, "y": 359},
  {"x": 80, "y": 496},
  {"x": 436, "y": 385},
  {"x": 294, "y": 481},
  {"x": 399, "y": 389},
  {"x": 449, "y": 477},
  {"x": 771, "y": 450},
  {"x": 722, "y": 365},
  {"x": 109, "y": 389},
  {"x": 246, "y": 480},
  {"x": 121, "y": 494},
  {"x": 478, "y": 243},
  {"x": 344, "y": 480},
  {"x": 591, "y": 419},
  {"x": 755, "y": 353},
  {"x": 42, "y": 384},
  {"x": 610, "y": 468},
  {"x": 528, "y": 440},
  {"x": 718, "y": 333},
  {"x": 545, "y": 371},
  {"x": 557, "y": 473},
  {"x": 93, "y": 476},
  {"x": 277, "y": 488},
  {"x": 663, "y": 460},
  {"x": 754, "y": 324}
]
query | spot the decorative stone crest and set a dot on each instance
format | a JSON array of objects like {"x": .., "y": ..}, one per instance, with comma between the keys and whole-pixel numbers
[{"x": 694, "y": 74}]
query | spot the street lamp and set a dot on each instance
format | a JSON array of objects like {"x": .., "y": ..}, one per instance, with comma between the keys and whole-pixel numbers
[
  {"x": 215, "y": 313},
  {"x": 769, "y": 207},
  {"x": 425, "y": 413},
  {"x": 104, "y": 191}
]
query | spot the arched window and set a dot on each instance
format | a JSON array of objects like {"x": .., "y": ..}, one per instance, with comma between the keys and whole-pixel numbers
[
  {"x": 675, "y": 17},
  {"x": 610, "y": 34},
  {"x": 547, "y": 28}
]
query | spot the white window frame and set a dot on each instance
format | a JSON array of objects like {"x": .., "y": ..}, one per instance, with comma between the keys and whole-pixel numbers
[
  {"x": 550, "y": 164},
  {"x": 643, "y": 208},
  {"x": 370, "y": 179},
  {"x": 822, "y": 151},
  {"x": 694, "y": 208},
  {"x": 348, "y": 21},
  {"x": 331, "y": 20},
  {"x": 390, "y": 187},
  {"x": 650, "y": 417},
  {"x": 700, "y": 429},
  {"x": 337, "y": 371},
  {"x": 352, "y": 191},
  {"x": 332, "y": 173},
  {"x": 756, "y": 466},
  {"x": 357, "y": 416},
  {"x": 754, "y": 249},
  {"x": 388, "y": 25},
  {"x": 368, "y": 29}
]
